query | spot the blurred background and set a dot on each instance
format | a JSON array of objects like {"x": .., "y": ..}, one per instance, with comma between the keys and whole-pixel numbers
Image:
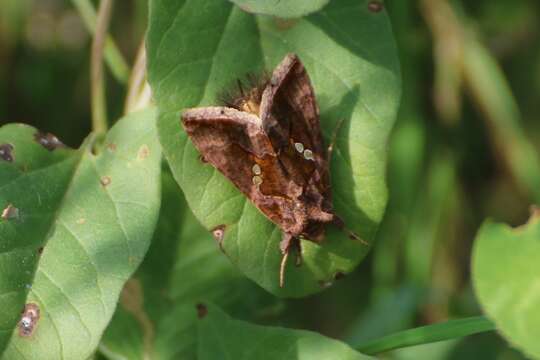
[{"x": 465, "y": 148}]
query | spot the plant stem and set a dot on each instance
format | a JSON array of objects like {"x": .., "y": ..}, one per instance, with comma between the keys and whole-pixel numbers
[
  {"x": 427, "y": 334},
  {"x": 97, "y": 82},
  {"x": 115, "y": 61},
  {"x": 137, "y": 81}
]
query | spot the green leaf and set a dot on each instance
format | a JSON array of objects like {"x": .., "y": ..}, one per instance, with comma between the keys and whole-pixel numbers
[
  {"x": 281, "y": 8},
  {"x": 156, "y": 317},
  {"x": 198, "y": 48},
  {"x": 427, "y": 334},
  {"x": 507, "y": 281},
  {"x": 221, "y": 337},
  {"x": 90, "y": 216}
]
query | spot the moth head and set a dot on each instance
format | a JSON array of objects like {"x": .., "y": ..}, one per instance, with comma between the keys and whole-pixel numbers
[
  {"x": 250, "y": 105},
  {"x": 246, "y": 95}
]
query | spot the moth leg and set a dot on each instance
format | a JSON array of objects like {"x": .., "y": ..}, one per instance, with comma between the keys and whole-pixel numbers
[
  {"x": 285, "y": 247},
  {"x": 298, "y": 244},
  {"x": 338, "y": 222},
  {"x": 333, "y": 139},
  {"x": 287, "y": 243}
]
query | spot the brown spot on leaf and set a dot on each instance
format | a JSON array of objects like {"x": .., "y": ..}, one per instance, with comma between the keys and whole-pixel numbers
[
  {"x": 29, "y": 320},
  {"x": 202, "y": 310},
  {"x": 325, "y": 284},
  {"x": 48, "y": 140},
  {"x": 6, "y": 152},
  {"x": 40, "y": 250},
  {"x": 285, "y": 24},
  {"x": 105, "y": 181},
  {"x": 133, "y": 260},
  {"x": 111, "y": 147},
  {"x": 339, "y": 275},
  {"x": 144, "y": 152},
  {"x": 10, "y": 212},
  {"x": 219, "y": 234},
  {"x": 81, "y": 221},
  {"x": 375, "y": 6}
]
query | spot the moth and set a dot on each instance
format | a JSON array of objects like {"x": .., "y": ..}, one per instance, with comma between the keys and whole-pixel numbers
[{"x": 268, "y": 143}]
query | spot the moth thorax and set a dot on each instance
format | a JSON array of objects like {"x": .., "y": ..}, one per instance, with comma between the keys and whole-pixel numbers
[{"x": 250, "y": 106}]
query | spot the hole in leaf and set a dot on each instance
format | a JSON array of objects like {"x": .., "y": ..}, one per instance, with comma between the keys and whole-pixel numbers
[
  {"x": 48, "y": 141},
  {"x": 6, "y": 152},
  {"x": 29, "y": 320},
  {"x": 10, "y": 212},
  {"x": 219, "y": 234}
]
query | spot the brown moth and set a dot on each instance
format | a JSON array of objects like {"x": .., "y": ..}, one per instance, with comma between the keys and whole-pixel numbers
[{"x": 268, "y": 143}]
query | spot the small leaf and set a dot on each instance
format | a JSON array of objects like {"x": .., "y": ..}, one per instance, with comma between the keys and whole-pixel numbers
[
  {"x": 84, "y": 224},
  {"x": 221, "y": 337},
  {"x": 196, "y": 49},
  {"x": 281, "y": 8},
  {"x": 507, "y": 280}
]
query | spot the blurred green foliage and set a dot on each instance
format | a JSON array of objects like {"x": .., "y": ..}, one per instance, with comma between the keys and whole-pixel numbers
[{"x": 465, "y": 148}]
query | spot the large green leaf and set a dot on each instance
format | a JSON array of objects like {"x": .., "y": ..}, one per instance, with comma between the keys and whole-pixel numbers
[
  {"x": 221, "y": 337},
  {"x": 281, "y": 8},
  {"x": 91, "y": 217},
  {"x": 507, "y": 280},
  {"x": 198, "y": 48},
  {"x": 156, "y": 318}
]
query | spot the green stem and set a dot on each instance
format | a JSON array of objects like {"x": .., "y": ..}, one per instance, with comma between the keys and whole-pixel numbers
[
  {"x": 116, "y": 62},
  {"x": 137, "y": 81},
  {"x": 427, "y": 334},
  {"x": 97, "y": 81}
]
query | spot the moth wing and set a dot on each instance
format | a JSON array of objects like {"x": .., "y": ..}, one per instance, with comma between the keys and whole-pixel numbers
[
  {"x": 290, "y": 117},
  {"x": 234, "y": 142},
  {"x": 289, "y": 109}
]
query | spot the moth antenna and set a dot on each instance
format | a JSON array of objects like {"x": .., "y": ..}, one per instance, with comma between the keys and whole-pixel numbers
[
  {"x": 352, "y": 235},
  {"x": 240, "y": 87},
  {"x": 226, "y": 98},
  {"x": 282, "y": 268},
  {"x": 252, "y": 79},
  {"x": 333, "y": 139}
]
